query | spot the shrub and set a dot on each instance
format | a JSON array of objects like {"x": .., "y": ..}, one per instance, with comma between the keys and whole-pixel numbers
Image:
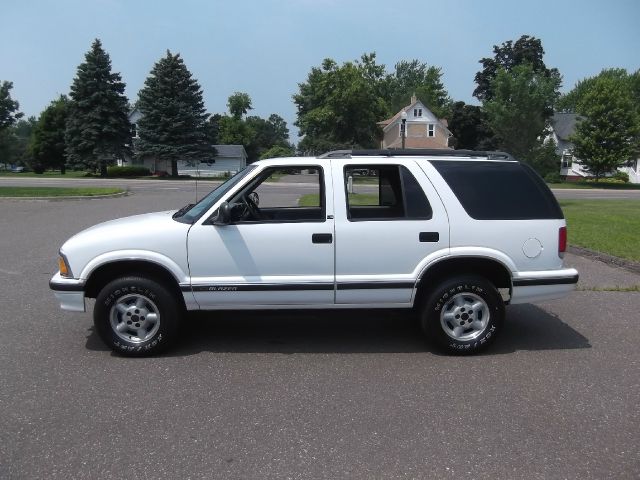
[
  {"x": 553, "y": 177},
  {"x": 623, "y": 176},
  {"x": 128, "y": 171}
]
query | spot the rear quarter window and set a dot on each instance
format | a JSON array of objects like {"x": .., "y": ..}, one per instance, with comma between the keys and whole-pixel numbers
[{"x": 499, "y": 190}]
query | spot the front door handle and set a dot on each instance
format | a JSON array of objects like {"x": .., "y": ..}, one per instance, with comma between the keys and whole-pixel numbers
[
  {"x": 429, "y": 237},
  {"x": 322, "y": 238}
]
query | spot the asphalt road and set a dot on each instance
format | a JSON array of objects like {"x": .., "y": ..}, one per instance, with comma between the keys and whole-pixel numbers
[{"x": 307, "y": 395}]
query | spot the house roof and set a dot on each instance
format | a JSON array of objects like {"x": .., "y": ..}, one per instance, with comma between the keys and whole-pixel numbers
[
  {"x": 230, "y": 151},
  {"x": 564, "y": 124}
]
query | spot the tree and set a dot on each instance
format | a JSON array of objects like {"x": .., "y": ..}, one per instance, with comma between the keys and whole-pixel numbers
[
  {"x": 414, "y": 77},
  {"x": 173, "y": 119},
  {"x": 239, "y": 104},
  {"x": 48, "y": 140},
  {"x": 574, "y": 99},
  {"x": 9, "y": 113},
  {"x": 609, "y": 136},
  {"x": 338, "y": 107},
  {"x": 520, "y": 107},
  {"x": 525, "y": 51},
  {"x": 98, "y": 129},
  {"x": 277, "y": 152},
  {"x": 468, "y": 124},
  {"x": 266, "y": 134},
  {"x": 14, "y": 142}
]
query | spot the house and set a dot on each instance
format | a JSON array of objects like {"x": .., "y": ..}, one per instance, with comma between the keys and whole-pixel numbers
[
  {"x": 422, "y": 128},
  {"x": 563, "y": 125},
  {"x": 229, "y": 159}
]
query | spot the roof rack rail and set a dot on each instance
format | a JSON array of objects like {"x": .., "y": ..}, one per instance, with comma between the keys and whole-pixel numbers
[{"x": 433, "y": 152}]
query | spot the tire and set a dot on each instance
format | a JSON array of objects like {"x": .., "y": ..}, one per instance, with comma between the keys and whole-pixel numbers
[
  {"x": 136, "y": 316},
  {"x": 463, "y": 315}
]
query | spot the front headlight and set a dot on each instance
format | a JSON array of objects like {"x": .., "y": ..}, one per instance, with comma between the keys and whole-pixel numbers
[{"x": 63, "y": 266}]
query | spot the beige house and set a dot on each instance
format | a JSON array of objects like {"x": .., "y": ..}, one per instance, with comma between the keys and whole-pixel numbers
[{"x": 423, "y": 128}]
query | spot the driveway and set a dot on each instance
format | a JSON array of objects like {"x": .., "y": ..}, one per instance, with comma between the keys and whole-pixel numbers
[{"x": 308, "y": 394}]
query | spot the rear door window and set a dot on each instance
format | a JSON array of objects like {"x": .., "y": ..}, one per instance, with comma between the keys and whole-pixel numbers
[{"x": 384, "y": 192}]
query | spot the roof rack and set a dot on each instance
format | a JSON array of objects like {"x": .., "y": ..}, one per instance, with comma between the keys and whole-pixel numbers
[{"x": 421, "y": 152}]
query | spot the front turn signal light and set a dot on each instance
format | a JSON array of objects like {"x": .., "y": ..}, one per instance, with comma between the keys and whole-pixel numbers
[{"x": 65, "y": 271}]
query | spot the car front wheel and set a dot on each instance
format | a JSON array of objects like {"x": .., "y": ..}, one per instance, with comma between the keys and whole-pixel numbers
[
  {"x": 463, "y": 314},
  {"x": 136, "y": 316}
]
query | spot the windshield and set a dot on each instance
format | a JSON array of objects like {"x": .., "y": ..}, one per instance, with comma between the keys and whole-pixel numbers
[{"x": 199, "y": 209}]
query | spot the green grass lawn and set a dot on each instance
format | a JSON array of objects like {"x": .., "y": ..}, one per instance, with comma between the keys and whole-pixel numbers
[
  {"x": 56, "y": 191},
  {"x": 313, "y": 200},
  {"x": 604, "y": 185},
  {"x": 608, "y": 226}
]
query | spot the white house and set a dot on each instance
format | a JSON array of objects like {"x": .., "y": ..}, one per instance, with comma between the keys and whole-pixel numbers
[
  {"x": 563, "y": 126},
  {"x": 229, "y": 158}
]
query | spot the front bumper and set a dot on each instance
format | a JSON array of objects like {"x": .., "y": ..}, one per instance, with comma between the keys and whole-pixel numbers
[
  {"x": 530, "y": 287},
  {"x": 69, "y": 292}
]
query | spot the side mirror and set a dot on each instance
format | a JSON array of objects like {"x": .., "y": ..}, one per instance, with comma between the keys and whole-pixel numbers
[{"x": 224, "y": 214}]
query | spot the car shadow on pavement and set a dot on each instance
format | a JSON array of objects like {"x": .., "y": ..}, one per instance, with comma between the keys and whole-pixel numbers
[{"x": 351, "y": 331}]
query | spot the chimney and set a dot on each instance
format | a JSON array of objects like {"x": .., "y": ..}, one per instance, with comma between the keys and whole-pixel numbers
[{"x": 414, "y": 99}]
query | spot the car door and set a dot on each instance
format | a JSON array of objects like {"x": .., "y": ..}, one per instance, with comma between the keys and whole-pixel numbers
[
  {"x": 278, "y": 248},
  {"x": 389, "y": 224}
]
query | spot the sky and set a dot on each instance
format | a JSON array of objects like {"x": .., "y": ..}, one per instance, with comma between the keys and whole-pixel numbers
[{"x": 266, "y": 47}]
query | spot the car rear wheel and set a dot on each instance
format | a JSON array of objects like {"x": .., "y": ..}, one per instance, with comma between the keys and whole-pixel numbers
[
  {"x": 463, "y": 315},
  {"x": 136, "y": 316}
]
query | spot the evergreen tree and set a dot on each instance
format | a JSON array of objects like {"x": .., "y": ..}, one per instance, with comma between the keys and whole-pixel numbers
[
  {"x": 173, "y": 124},
  {"x": 47, "y": 142},
  {"x": 98, "y": 129}
]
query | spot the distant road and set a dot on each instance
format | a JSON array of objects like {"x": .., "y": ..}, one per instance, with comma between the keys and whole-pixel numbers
[{"x": 204, "y": 186}]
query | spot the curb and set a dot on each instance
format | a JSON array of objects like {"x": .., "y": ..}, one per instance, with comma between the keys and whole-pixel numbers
[
  {"x": 73, "y": 197},
  {"x": 629, "y": 265}
]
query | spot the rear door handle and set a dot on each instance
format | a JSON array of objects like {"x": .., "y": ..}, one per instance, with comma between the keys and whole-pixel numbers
[
  {"x": 431, "y": 237},
  {"x": 322, "y": 238}
]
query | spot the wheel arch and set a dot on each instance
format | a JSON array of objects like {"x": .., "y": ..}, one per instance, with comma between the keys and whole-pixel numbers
[
  {"x": 493, "y": 270},
  {"x": 107, "y": 272}
]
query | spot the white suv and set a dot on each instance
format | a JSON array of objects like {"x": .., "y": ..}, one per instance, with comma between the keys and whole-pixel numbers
[{"x": 456, "y": 234}]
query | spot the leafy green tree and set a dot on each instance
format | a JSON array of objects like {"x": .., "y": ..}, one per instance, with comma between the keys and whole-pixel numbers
[
  {"x": 278, "y": 151},
  {"x": 571, "y": 101},
  {"x": 468, "y": 124},
  {"x": 519, "y": 109},
  {"x": 524, "y": 51},
  {"x": 338, "y": 107},
  {"x": 239, "y": 104},
  {"x": 414, "y": 77},
  {"x": 609, "y": 135},
  {"x": 48, "y": 141},
  {"x": 173, "y": 123},
  {"x": 544, "y": 159},
  {"x": 98, "y": 129},
  {"x": 234, "y": 131},
  {"x": 14, "y": 142},
  {"x": 266, "y": 134},
  {"x": 9, "y": 113}
]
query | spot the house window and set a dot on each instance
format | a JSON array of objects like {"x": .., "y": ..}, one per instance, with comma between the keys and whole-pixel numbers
[
  {"x": 417, "y": 112},
  {"x": 566, "y": 160},
  {"x": 134, "y": 130},
  {"x": 431, "y": 130}
]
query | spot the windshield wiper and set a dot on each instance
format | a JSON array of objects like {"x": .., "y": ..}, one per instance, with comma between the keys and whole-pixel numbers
[{"x": 182, "y": 211}]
